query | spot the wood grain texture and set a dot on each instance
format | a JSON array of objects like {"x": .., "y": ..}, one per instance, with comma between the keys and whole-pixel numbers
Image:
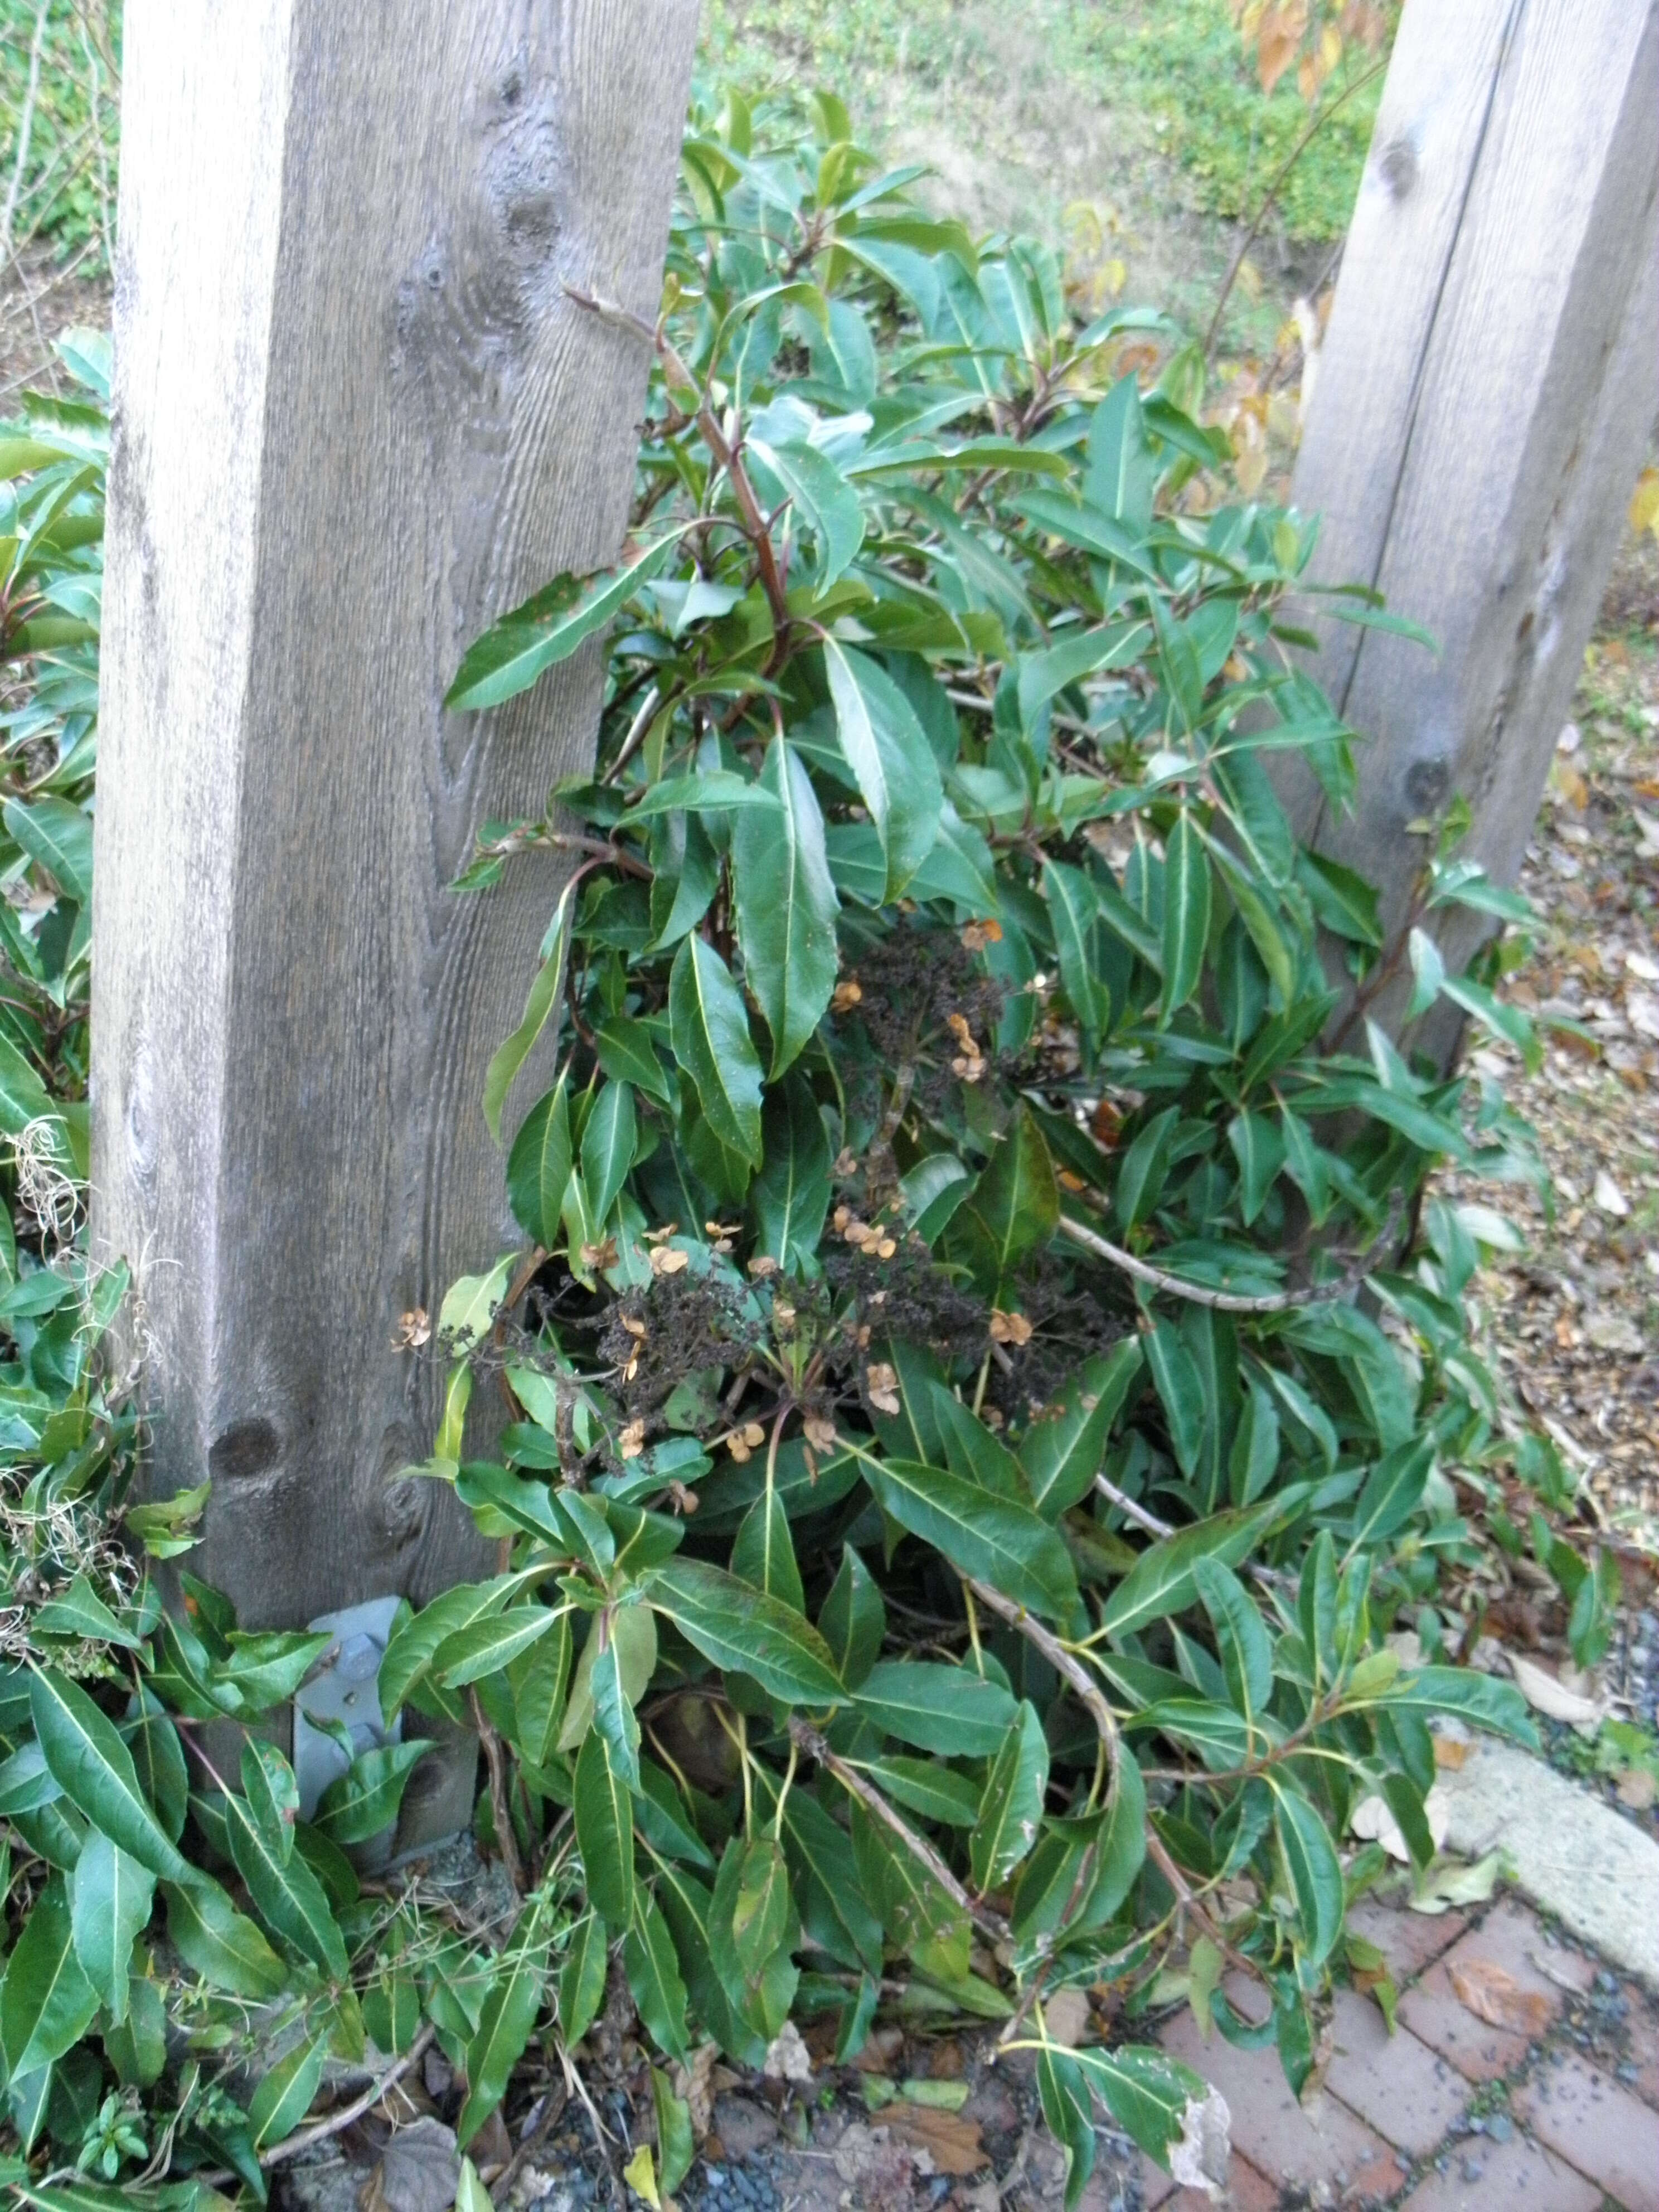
[
  {"x": 356, "y": 417},
  {"x": 1485, "y": 395}
]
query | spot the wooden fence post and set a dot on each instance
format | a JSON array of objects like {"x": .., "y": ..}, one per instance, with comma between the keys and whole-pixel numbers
[
  {"x": 356, "y": 417},
  {"x": 1485, "y": 393}
]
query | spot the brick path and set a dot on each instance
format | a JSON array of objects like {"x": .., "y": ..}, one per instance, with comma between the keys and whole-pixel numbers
[{"x": 1449, "y": 2114}]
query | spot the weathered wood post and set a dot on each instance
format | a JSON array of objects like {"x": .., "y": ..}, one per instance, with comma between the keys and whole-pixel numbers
[
  {"x": 1485, "y": 393},
  {"x": 356, "y": 417}
]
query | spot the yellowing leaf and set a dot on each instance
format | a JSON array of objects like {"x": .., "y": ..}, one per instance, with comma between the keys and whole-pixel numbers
[
  {"x": 640, "y": 2175},
  {"x": 1644, "y": 502}
]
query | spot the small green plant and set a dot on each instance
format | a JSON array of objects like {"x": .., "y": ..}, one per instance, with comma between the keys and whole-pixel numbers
[{"x": 959, "y": 1488}]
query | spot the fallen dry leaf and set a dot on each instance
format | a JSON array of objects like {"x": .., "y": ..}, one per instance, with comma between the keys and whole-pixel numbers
[
  {"x": 1638, "y": 1788},
  {"x": 1066, "y": 2015},
  {"x": 1545, "y": 1694},
  {"x": 694, "y": 2083},
  {"x": 950, "y": 2139},
  {"x": 1492, "y": 1994}
]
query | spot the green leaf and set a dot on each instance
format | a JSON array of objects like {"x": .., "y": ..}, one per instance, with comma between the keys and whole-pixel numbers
[
  {"x": 1482, "y": 1699},
  {"x": 363, "y": 1801},
  {"x": 761, "y": 1907},
  {"x": 1073, "y": 908},
  {"x": 1012, "y": 1808},
  {"x": 613, "y": 1709},
  {"x": 57, "y": 835},
  {"x": 786, "y": 906},
  {"x": 1258, "y": 1148},
  {"x": 821, "y": 498},
  {"x": 1186, "y": 913},
  {"x": 928, "y": 1786},
  {"x": 604, "y": 1831},
  {"x": 548, "y": 628},
  {"x": 46, "y": 2001},
  {"x": 110, "y": 1900},
  {"x": 1149, "y": 2096},
  {"x": 762, "y": 1555},
  {"x": 661, "y": 1816},
  {"x": 272, "y": 1794},
  {"x": 504, "y": 2024},
  {"x": 223, "y": 1946},
  {"x": 712, "y": 1043},
  {"x": 854, "y": 1620},
  {"x": 892, "y": 763},
  {"x": 1121, "y": 474},
  {"x": 538, "y": 1680},
  {"x": 709, "y": 791},
  {"x": 95, "y": 1772},
  {"x": 991, "y": 1538},
  {"x": 288, "y": 1894},
  {"x": 24, "y": 1099},
  {"x": 1314, "y": 1870},
  {"x": 1062, "y": 1450},
  {"x": 511, "y": 1054},
  {"x": 408, "y": 1657},
  {"x": 282, "y": 2097},
  {"x": 1161, "y": 1581},
  {"x": 609, "y": 1136},
  {"x": 79, "y": 1611},
  {"x": 676, "y": 2145},
  {"x": 627, "y": 1053},
  {"x": 538, "y": 1167},
  {"x": 790, "y": 1196},
  {"x": 1014, "y": 1208},
  {"x": 742, "y": 1630},
  {"x": 485, "y": 1647},
  {"x": 581, "y": 1979},
  {"x": 834, "y": 1909},
  {"x": 948, "y": 1710},
  {"x": 1120, "y": 1849},
  {"x": 1246, "y": 1649},
  {"x": 1392, "y": 1492},
  {"x": 1068, "y": 2108},
  {"x": 632, "y": 1637}
]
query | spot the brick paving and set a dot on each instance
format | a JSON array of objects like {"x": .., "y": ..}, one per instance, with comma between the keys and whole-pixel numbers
[{"x": 1553, "y": 2107}]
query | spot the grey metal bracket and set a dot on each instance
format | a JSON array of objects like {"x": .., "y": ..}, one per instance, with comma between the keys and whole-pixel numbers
[{"x": 344, "y": 1687}]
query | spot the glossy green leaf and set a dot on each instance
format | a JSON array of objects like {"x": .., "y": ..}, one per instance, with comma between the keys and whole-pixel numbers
[
  {"x": 1062, "y": 1450},
  {"x": 363, "y": 1801},
  {"x": 604, "y": 1831},
  {"x": 94, "y": 1769},
  {"x": 853, "y": 1620},
  {"x": 743, "y": 1629},
  {"x": 991, "y": 1538},
  {"x": 1314, "y": 1870},
  {"x": 790, "y": 1196},
  {"x": 949, "y": 1709},
  {"x": 1161, "y": 1582},
  {"x": 46, "y": 2001},
  {"x": 110, "y": 1900},
  {"x": 1150, "y": 2096},
  {"x": 223, "y": 1946},
  {"x": 581, "y": 1979},
  {"x": 538, "y": 1167},
  {"x": 1012, "y": 1804},
  {"x": 1014, "y": 1207},
  {"x": 712, "y": 1043},
  {"x": 282, "y": 2095},
  {"x": 286, "y": 1893},
  {"x": 1186, "y": 913},
  {"x": 786, "y": 906},
  {"x": 548, "y": 627},
  {"x": 509, "y": 2011},
  {"x": 897, "y": 777}
]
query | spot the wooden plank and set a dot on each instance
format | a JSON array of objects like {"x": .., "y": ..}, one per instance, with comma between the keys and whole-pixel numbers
[
  {"x": 356, "y": 416},
  {"x": 1484, "y": 399}
]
